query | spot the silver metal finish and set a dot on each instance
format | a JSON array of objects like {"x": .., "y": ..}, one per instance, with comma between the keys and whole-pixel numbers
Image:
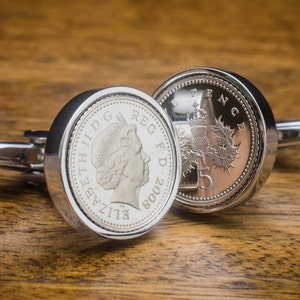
[
  {"x": 27, "y": 158},
  {"x": 227, "y": 134},
  {"x": 111, "y": 162},
  {"x": 288, "y": 134}
]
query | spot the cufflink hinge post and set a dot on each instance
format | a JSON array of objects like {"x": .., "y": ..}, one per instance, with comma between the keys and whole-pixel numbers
[{"x": 27, "y": 158}]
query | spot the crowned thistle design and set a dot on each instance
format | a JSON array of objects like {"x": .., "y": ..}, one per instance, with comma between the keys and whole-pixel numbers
[{"x": 207, "y": 144}]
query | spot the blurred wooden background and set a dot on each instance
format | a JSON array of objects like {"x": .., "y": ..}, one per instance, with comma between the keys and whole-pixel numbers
[{"x": 51, "y": 50}]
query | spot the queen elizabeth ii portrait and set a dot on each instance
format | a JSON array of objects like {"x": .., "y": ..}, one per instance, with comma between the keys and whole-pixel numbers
[{"x": 120, "y": 162}]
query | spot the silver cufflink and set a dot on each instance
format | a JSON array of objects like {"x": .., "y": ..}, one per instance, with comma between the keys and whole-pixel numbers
[
  {"x": 227, "y": 134},
  {"x": 110, "y": 160}
]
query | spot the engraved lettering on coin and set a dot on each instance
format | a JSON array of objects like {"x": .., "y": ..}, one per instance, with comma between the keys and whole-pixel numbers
[
  {"x": 120, "y": 162},
  {"x": 218, "y": 136}
]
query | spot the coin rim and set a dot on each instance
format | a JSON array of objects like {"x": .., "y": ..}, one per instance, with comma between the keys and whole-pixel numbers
[
  {"x": 266, "y": 127},
  {"x": 56, "y": 162}
]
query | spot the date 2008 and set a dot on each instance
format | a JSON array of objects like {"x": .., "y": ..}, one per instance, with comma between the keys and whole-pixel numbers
[{"x": 154, "y": 193}]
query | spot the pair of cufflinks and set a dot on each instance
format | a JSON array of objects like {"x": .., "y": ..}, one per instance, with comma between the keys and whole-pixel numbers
[{"x": 116, "y": 159}]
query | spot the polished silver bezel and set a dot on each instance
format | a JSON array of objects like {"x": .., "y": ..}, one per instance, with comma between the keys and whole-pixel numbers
[
  {"x": 265, "y": 127},
  {"x": 56, "y": 162}
]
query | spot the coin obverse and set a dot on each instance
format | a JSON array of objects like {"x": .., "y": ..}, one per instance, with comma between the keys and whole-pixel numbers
[
  {"x": 112, "y": 162},
  {"x": 227, "y": 137}
]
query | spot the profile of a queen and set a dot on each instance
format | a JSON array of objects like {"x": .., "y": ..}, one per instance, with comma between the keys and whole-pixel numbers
[{"x": 120, "y": 161}]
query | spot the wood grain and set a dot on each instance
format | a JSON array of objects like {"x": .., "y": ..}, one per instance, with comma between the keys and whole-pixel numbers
[{"x": 52, "y": 50}]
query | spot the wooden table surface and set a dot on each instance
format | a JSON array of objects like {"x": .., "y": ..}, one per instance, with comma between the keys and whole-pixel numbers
[{"x": 52, "y": 50}]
